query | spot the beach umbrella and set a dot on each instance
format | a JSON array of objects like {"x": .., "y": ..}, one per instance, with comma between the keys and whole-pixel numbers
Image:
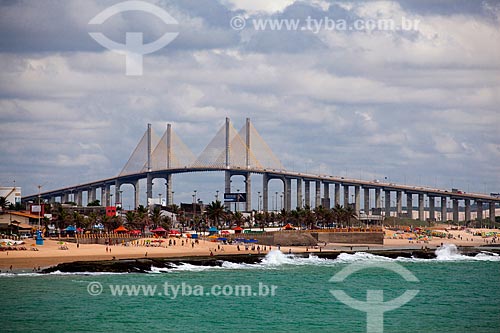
[
  {"x": 159, "y": 230},
  {"x": 120, "y": 229}
]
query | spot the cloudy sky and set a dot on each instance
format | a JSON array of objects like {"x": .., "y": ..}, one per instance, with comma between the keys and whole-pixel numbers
[{"x": 419, "y": 105}]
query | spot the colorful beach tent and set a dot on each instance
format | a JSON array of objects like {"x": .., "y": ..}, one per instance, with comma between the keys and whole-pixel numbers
[
  {"x": 213, "y": 230},
  {"x": 121, "y": 229},
  {"x": 71, "y": 228},
  {"x": 288, "y": 227},
  {"x": 238, "y": 230},
  {"x": 159, "y": 230}
]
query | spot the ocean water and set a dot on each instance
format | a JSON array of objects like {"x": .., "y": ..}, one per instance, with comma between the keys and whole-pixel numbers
[{"x": 455, "y": 294}]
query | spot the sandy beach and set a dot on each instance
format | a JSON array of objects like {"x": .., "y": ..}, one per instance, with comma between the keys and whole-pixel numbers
[{"x": 51, "y": 254}]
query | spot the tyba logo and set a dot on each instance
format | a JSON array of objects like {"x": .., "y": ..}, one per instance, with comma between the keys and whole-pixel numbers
[
  {"x": 374, "y": 305},
  {"x": 134, "y": 48}
]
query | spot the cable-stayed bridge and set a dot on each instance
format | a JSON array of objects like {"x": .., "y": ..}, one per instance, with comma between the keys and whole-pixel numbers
[{"x": 243, "y": 153}]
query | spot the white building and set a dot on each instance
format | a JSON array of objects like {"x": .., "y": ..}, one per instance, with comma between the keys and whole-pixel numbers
[{"x": 12, "y": 194}]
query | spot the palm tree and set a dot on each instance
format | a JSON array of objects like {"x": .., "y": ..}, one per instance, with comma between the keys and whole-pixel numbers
[
  {"x": 338, "y": 214},
  {"x": 215, "y": 211},
  {"x": 166, "y": 222},
  {"x": 62, "y": 216},
  {"x": 156, "y": 216},
  {"x": 4, "y": 203},
  {"x": 320, "y": 214},
  {"x": 238, "y": 218},
  {"x": 283, "y": 216},
  {"x": 350, "y": 214},
  {"x": 173, "y": 208},
  {"x": 77, "y": 219}
]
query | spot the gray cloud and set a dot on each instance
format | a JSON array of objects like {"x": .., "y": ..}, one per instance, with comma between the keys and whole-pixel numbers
[{"x": 420, "y": 108}]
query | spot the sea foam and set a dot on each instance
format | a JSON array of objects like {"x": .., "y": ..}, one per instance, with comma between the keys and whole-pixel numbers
[{"x": 450, "y": 252}]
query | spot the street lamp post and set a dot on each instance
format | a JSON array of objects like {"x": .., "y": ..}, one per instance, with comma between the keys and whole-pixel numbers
[
  {"x": 111, "y": 199},
  {"x": 276, "y": 202},
  {"x": 121, "y": 199},
  {"x": 39, "y": 205},
  {"x": 217, "y": 195},
  {"x": 258, "y": 201},
  {"x": 159, "y": 197},
  {"x": 194, "y": 206},
  {"x": 237, "y": 200}
]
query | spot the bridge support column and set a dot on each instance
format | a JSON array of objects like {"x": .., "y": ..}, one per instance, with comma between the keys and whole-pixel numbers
[
  {"x": 467, "y": 210},
  {"x": 366, "y": 193},
  {"x": 307, "y": 194},
  {"x": 78, "y": 198},
  {"x": 387, "y": 203},
  {"x": 288, "y": 194},
  {"x": 92, "y": 194},
  {"x": 337, "y": 195},
  {"x": 346, "y": 195},
  {"x": 409, "y": 205},
  {"x": 444, "y": 211},
  {"x": 64, "y": 198},
  {"x": 421, "y": 206},
  {"x": 357, "y": 200},
  {"x": 317, "y": 199},
  {"x": 377, "y": 198},
  {"x": 118, "y": 197},
  {"x": 432, "y": 208},
  {"x": 149, "y": 189},
  {"x": 248, "y": 190},
  {"x": 491, "y": 206},
  {"x": 299, "y": 192},
  {"x": 227, "y": 186},
  {"x": 103, "y": 196},
  {"x": 326, "y": 196},
  {"x": 169, "y": 186},
  {"x": 136, "y": 194},
  {"x": 479, "y": 209},
  {"x": 455, "y": 210},
  {"x": 399, "y": 204},
  {"x": 265, "y": 192}
]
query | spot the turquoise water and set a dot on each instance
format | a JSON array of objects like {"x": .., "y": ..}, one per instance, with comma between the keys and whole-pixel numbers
[{"x": 456, "y": 294}]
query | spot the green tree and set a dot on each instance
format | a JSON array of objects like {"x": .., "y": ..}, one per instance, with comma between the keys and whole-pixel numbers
[
  {"x": 215, "y": 211},
  {"x": 94, "y": 203},
  {"x": 156, "y": 216},
  {"x": 238, "y": 218},
  {"x": 166, "y": 222},
  {"x": 4, "y": 203},
  {"x": 61, "y": 216}
]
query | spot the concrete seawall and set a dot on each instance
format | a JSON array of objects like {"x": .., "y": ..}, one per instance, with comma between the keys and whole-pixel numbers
[
  {"x": 349, "y": 237},
  {"x": 304, "y": 238}
]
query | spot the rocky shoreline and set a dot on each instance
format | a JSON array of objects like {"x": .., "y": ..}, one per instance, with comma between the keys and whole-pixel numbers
[{"x": 143, "y": 265}]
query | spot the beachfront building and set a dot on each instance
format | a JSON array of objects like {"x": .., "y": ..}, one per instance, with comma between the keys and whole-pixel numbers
[
  {"x": 11, "y": 193},
  {"x": 17, "y": 222}
]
